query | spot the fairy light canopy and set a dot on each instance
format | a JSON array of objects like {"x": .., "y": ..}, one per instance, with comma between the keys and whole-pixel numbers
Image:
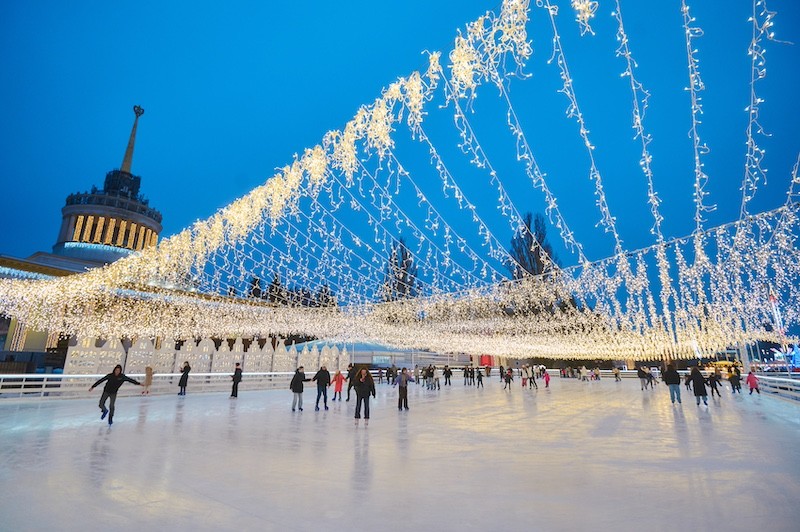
[{"x": 420, "y": 193}]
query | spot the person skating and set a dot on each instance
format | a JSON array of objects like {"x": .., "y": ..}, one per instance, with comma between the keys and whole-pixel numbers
[
  {"x": 338, "y": 380},
  {"x": 672, "y": 379},
  {"x": 736, "y": 381},
  {"x": 351, "y": 372},
  {"x": 546, "y": 379},
  {"x": 236, "y": 378},
  {"x": 323, "y": 380},
  {"x": 365, "y": 387},
  {"x": 752, "y": 383},
  {"x": 509, "y": 378},
  {"x": 699, "y": 386},
  {"x": 642, "y": 374},
  {"x": 184, "y": 380},
  {"x": 297, "y": 388},
  {"x": 616, "y": 374},
  {"x": 447, "y": 374},
  {"x": 113, "y": 381},
  {"x": 480, "y": 379},
  {"x": 401, "y": 381},
  {"x": 714, "y": 380},
  {"x": 148, "y": 380}
]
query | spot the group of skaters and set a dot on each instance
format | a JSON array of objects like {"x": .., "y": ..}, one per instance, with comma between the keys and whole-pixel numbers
[
  {"x": 584, "y": 374},
  {"x": 364, "y": 384},
  {"x": 698, "y": 383}
]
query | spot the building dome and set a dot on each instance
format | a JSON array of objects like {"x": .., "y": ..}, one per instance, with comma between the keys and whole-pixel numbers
[{"x": 105, "y": 225}]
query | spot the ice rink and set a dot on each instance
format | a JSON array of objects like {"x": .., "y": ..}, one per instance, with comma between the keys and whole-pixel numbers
[{"x": 579, "y": 456}]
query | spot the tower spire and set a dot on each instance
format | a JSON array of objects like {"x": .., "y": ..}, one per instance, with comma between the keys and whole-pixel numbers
[{"x": 126, "y": 162}]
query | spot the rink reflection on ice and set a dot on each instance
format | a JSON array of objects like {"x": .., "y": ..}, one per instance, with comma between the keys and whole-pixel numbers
[{"x": 581, "y": 456}]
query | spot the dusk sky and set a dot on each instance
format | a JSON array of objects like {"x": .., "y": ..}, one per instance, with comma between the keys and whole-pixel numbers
[{"x": 232, "y": 91}]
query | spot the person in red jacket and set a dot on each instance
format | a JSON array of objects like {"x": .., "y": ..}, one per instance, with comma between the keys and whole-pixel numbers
[
  {"x": 337, "y": 381},
  {"x": 113, "y": 381},
  {"x": 752, "y": 382}
]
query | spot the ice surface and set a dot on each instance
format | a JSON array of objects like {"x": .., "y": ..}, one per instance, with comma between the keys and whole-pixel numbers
[{"x": 580, "y": 456}]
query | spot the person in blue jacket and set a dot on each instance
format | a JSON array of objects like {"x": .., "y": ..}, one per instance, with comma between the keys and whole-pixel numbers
[{"x": 113, "y": 381}]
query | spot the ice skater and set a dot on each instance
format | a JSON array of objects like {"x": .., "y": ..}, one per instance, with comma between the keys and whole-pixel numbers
[
  {"x": 401, "y": 381},
  {"x": 672, "y": 379},
  {"x": 714, "y": 380},
  {"x": 351, "y": 373},
  {"x": 365, "y": 387},
  {"x": 752, "y": 383},
  {"x": 185, "y": 369},
  {"x": 735, "y": 379},
  {"x": 480, "y": 379},
  {"x": 699, "y": 386},
  {"x": 546, "y": 379},
  {"x": 148, "y": 380},
  {"x": 338, "y": 380},
  {"x": 297, "y": 388},
  {"x": 323, "y": 380},
  {"x": 236, "y": 378},
  {"x": 509, "y": 378},
  {"x": 113, "y": 381}
]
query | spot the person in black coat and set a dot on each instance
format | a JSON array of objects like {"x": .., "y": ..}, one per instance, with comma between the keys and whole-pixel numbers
[
  {"x": 236, "y": 378},
  {"x": 672, "y": 379},
  {"x": 184, "y": 377},
  {"x": 113, "y": 381},
  {"x": 699, "y": 386},
  {"x": 351, "y": 373},
  {"x": 365, "y": 387},
  {"x": 323, "y": 379},
  {"x": 297, "y": 388}
]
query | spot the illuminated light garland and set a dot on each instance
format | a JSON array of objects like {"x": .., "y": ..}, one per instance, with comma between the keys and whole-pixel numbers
[
  {"x": 754, "y": 171},
  {"x": 154, "y": 294},
  {"x": 584, "y": 12},
  {"x": 696, "y": 85}
]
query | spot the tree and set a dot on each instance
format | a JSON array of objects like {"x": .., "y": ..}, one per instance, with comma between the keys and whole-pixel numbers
[
  {"x": 324, "y": 297},
  {"x": 532, "y": 253},
  {"x": 401, "y": 274},
  {"x": 255, "y": 288},
  {"x": 276, "y": 293}
]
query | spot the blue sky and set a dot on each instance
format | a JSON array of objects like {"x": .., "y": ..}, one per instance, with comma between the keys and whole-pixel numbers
[{"x": 231, "y": 92}]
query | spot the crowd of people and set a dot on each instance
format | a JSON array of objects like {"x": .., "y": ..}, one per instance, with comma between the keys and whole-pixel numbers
[{"x": 431, "y": 376}]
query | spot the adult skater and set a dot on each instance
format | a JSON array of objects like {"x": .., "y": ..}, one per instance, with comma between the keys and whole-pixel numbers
[
  {"x": 736, "y": 381},
  {"x": 185, "y": 369},
  {"x": 113, "y": 381},
  {"x": 351, "y": 372},
  {"x": 642, "y": 374},
  {"x": 480, "y": 379},
  {"x": 508, "y": 378},
  {"x": 699, "y": 386},
  {"x": 616, "y": 374},
  {"x": 148, "y": 380},
  {"x": 401, "y": 381},
  {"x": 447, "y": 374},
  {"x": 672, "y": 379},
  {"x": 297, "y": 388},
  {"x": 236, "y": 378},
  {"x": 714, "y": 380},
  {"x": 323, "y": 380},
  {"x": 338, "y": 380},
  {"x": 365, "y": 387}
]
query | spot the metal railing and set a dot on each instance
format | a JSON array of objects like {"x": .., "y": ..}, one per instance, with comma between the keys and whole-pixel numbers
[
  {"x": 32, "y": 385},
  {"x": 784, "y": 387}
]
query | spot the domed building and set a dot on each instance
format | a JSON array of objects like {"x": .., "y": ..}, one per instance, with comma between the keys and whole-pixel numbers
[
  {"x": 104, "y": 225},
  {"x": 97, "y": 227}
]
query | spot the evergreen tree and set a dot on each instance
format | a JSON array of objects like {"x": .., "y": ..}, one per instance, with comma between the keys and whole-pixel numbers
[
  {"x": 530, "y": 249},
  {"x": 401, "y": 274}
]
